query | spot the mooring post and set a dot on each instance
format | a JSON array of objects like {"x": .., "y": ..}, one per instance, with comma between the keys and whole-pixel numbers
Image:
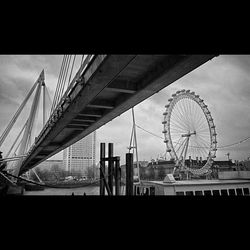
[
  {"x": 102, "y": 168},
  {"x": 129, "y": 174},
  {"x": 117, "y": 176},
  {"x": 110, "y": 166}
]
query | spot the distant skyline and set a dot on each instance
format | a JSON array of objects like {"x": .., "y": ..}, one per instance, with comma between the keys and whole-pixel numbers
[{"x": 223, "y": 83}]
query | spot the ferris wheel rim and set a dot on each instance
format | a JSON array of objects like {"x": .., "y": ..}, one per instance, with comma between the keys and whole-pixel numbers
[{"x": 173, "y": 101}]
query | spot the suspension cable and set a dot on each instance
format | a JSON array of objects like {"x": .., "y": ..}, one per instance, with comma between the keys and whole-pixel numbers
[
  {"x": 58, "y": 83},
  {"x": 62, "y": 80},
  {"x": 13, "y": 120},
  {"x": 71, "y": 70}
]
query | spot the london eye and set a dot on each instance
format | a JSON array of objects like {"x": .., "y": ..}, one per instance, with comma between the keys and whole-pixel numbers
[{"x": 189, "y": 133}]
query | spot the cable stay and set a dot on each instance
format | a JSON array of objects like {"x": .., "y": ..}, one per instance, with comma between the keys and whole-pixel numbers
[
  {"x": 65, "y": 75},
  {"x": 18, "y": 150},
  {"x": 13, "y": 120}
]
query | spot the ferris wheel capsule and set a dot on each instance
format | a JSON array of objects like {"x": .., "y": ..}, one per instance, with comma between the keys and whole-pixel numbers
[
  {"x": 187, "y": 91},
  {"x": 164, "y": 122},
  {"x": 170, "y": 99},
  {"x": 165, "y": 113}
]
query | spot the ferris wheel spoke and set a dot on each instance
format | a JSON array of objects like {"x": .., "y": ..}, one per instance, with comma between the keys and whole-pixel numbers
[
  {"x": 181, "y": 116},
  {"x": 181, "y": 109},
  {"x": 198, "y": 113},
  {"x": 203, "y": 144},
  {"x": 177, "y": 115},
  {"x": 202, "y": 124},
  {"x": 175, "y": 127},
  {"x": 187, "y": 112},
  {"x": 180, "y": 146},
  {"x": 179, "y": 123},
  {"x": 200, "y": 121}
]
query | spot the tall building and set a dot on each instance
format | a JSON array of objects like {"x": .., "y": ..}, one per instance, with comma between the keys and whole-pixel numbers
[{"x": 80, "y": 155}]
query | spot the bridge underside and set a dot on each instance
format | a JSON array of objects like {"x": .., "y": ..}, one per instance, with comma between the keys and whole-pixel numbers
[{"x": 111, "y": 85}]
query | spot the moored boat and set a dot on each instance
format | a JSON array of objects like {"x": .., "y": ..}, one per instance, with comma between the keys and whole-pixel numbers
[{"x": 228, "y": 184}]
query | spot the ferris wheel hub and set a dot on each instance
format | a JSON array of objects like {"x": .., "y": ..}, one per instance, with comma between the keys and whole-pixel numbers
[{"x": 189, "y": 134}]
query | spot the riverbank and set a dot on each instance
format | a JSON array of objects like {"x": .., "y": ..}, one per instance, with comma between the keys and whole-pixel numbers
[{"x": 88, "y": 190}]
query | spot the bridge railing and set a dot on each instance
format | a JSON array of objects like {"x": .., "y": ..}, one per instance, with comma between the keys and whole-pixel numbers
[{"x": 65, "y": 98}]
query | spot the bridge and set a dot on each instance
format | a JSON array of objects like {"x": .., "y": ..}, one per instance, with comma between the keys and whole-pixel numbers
[{"x": 105, "y": 87}]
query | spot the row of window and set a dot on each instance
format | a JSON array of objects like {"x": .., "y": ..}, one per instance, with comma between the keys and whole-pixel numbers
[
  {"x": 222, "y": 192},
  {"x": 76, "y": 157},
  {"x": 138, "y": 190}
]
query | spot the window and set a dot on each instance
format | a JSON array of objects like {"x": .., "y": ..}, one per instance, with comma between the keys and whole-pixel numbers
[
  {"x": 189, "y": 193},
  {"x": 216, "y": 192},
  {"x": 239, "y": 191},
  {"x": 207, "y": 192},
  {"x": 224, "y": 192},
  {"x": 246, "y": 191},
  {"x": 180, "y": 193},
  {"x": 199, "y": 192},
  {"x": 231, "y": 192}
]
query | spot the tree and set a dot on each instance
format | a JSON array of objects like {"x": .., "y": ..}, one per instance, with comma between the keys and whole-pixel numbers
[{"x": 90, "y": 172}]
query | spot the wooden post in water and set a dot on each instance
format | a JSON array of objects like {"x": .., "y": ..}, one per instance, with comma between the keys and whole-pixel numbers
[
  {"x": 102, "y": 168},
  {"x": 117, "y": 176},
  {"x": 129, "y": 174},
  {"x": 110, "y": 166}
]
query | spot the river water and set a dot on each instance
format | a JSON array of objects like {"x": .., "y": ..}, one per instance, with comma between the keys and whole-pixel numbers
[{"x": 89, "y": 190}]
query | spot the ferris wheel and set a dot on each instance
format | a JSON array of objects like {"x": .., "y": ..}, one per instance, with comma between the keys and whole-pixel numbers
[{"x": 189, "y": 132}]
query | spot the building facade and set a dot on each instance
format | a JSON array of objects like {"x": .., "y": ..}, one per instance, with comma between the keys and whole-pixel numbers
[{"x": 78, "y": 157}]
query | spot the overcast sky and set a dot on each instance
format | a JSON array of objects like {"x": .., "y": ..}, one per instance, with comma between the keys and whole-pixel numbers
[{"x": 223, "y": 83}]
